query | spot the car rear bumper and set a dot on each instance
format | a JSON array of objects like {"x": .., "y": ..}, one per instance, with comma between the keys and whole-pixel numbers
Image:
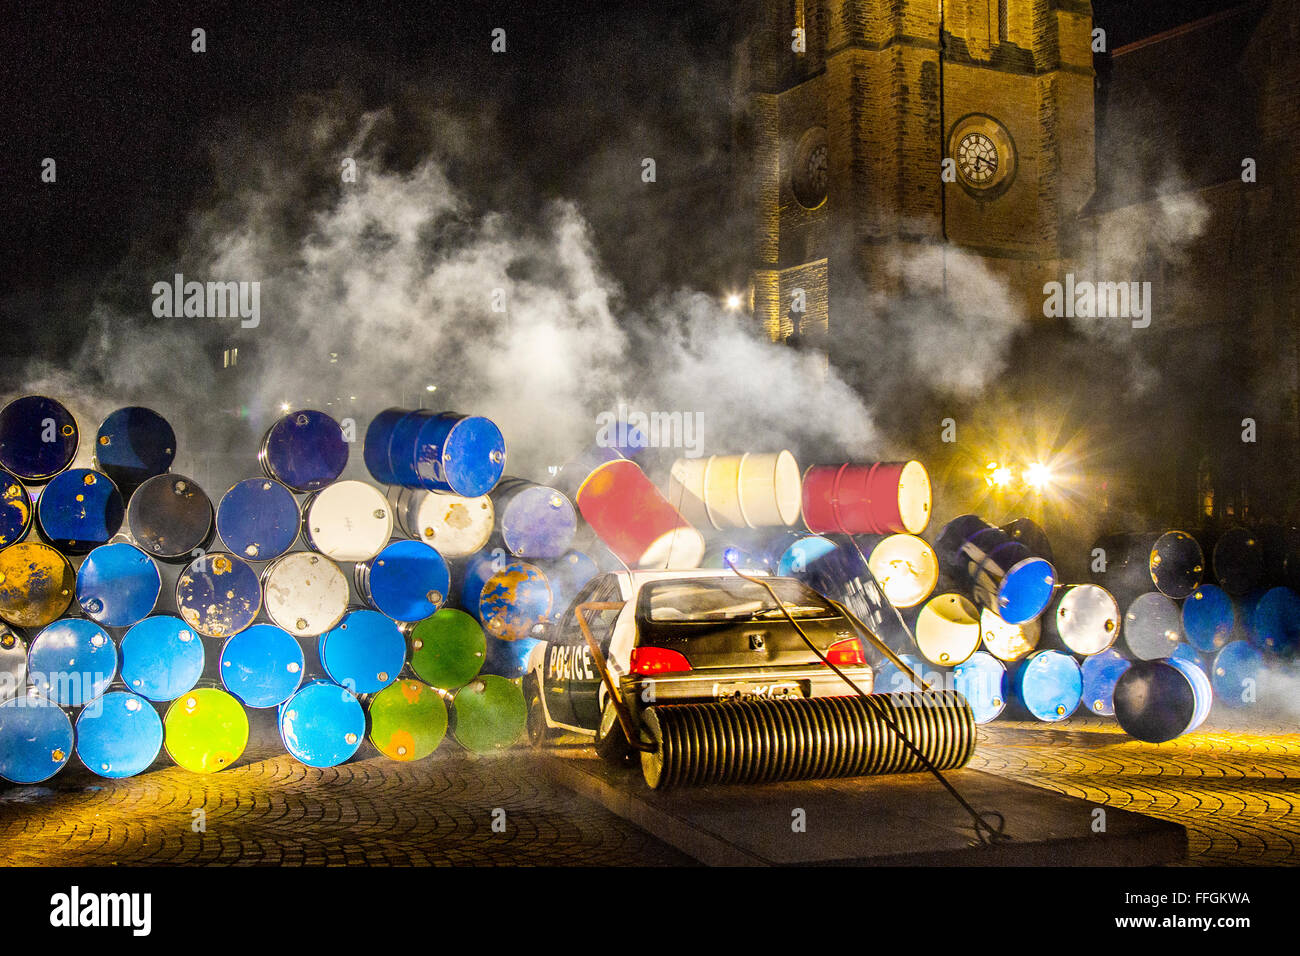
[{"x": 708, "y": 686}]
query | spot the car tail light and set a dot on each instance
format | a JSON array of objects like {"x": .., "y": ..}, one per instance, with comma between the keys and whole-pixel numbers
[
  {"x": 846, "y": 653},
  {"x": 647, "y": 661}
]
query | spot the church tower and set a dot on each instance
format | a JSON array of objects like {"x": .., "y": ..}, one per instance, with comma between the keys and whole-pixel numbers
[{"x": 853, "y": 108}]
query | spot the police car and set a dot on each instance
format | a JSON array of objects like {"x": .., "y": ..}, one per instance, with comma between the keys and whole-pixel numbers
[{"x": 682, "y": 637}]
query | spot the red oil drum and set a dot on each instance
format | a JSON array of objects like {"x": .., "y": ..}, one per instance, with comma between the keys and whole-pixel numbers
[
  {"x": 635, "y": 521},
  {"x": 880, "y": 498}
]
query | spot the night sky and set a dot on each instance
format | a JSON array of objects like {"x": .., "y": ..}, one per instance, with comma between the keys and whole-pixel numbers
[{"x": 131, "y": 115}]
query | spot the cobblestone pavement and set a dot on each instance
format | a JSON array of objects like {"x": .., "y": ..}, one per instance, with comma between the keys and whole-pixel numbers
[
  {"x": 1235, "y": 789},
  {"x": 270, "y": 809}
]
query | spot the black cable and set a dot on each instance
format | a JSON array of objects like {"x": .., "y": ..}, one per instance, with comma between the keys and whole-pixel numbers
[{"x": 985, "y": 832}]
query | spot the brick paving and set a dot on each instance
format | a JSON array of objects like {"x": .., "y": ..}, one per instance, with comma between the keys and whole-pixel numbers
[
  {"x": 270, "y": 809},
  {"x": 1235, "y": 788}
]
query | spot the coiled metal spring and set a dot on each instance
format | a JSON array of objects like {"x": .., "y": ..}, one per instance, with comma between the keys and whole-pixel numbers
[{"x": 762, "y": 741}]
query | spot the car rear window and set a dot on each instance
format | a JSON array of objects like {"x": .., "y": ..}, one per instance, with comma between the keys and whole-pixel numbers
[{"x": 727, "y": 599}]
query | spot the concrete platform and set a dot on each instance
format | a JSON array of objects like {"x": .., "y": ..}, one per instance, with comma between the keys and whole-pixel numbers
[{"x": 903, "y": 820}]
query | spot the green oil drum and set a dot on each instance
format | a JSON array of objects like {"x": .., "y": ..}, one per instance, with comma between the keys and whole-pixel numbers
[
  {"x": 447, "y": 649},
  {"x": 408, "y": 720},
  {"x": 205, "y": 730},
  {"x": 488, "y": 714}
]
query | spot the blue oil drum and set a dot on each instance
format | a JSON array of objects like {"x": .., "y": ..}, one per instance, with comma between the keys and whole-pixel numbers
[
  {"x": 262, "y": 666},
  {"x": 566, "y": 576},
  {"x": 1003, "y": 575},
  {"x": 16, "y": 511},
  {"x": 1100, "y": 673},
  {"x": 1049, "y": 685},
  {"x": 461, "y": 454},
  {"x": 218, "y": 594},
  {"x": 258, "y": 519},
  {"x": 1275, "y": 625},
  {"x": 1187, "y": 653},
  {"x": 162, "y": 658},
  {"x": 799, "y": 553},
  {"x": 364, "y": 652},
  {"x": 38, "y": 438},
  {"x": 734, "y": 550},
  {"x": 169, "y": 517},
  {"x": 1209, "y": 618},
  {"x": 13, "y": 664},
  {"x": 507, "y": 596},
  {"x": 534, "y": 521},
  {"x": 508, "y": 659},
  {"x": 1156, "y": 701},
  {"x": 1153, "y": 627},
  {"x": 890, "y": 680},
  {"x": 133, "y": 445},
  {"x": 1240, "y": 564},
  {"x": 35, "y": 739},
  {"x": 79, "y": 510},
  {"x": 72, "y": 662},
  {"x": 1236, "y": 674},
  {"x": 304, "y": 450},
  {"x": 408, "y": 581},
  {"x": 1177, "y": 564},
  {"x": 982, "y": 680},
  {"x": 322, "y": 724},
  {"x": 118, "y": 585},
  {"x": 1031, "y": 534},
  {"x": 378, "y": 445},
  {"x": 119, "y": 736}
]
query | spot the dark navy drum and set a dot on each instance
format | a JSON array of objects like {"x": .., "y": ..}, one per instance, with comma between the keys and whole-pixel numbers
[
  {"x": 1048, "y": 685},
  {"x": 1100, "y": 673},
  {"x": 262, "y": 666},
  {"x": 1157, "y": 701},
  {"x": 364, "y": 652},
  {"x": 258, "y": 519},
  {"x": 218, "y": 595},
  {"x": 461, "y": 454},
  {"x": 1239, "y": 562},
  {"x": 79, "y": 510},
  {"x": 508, "y": 659},
  {"x": 133, "y": 445},
  {"x": 169, "y": 517},
  {"x": 118, "y": 585},
  {"x": 1236, "y": 673},
  {"x": 1275, "y": 625},
  {"x": 38, "y": 438},
  {"x": 322, "y": 724},
  {"x": 119, "y": 737},
  {"x": 72, "y": 662},
  {"x": 1003, "y": 575},
  {"x": 35, "y": 739},
  {"x": 16, "y": 510},
  {"x": 162, "y": 658},
  {"x": 305, "y": 450},
  {"x": 1209, "y": 618},
  {"x": 407, "y": 580},
  {"x": 534, "y": 521},
  {"x": 982, "y": 680},
  {"x": 1176, "y": 564},
  {"x": 379, "y": 439}
]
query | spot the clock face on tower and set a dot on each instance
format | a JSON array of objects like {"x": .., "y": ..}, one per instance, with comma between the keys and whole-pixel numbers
[
  {"x": 984, "y": 155},
  {"x": 809, "y": 173}
]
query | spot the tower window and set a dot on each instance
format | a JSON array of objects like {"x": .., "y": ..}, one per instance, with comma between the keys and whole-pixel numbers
[{"x": 1002, "y": 20}]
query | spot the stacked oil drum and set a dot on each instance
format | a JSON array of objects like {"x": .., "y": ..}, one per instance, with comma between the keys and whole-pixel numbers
[{"x": 142, "y": 616}]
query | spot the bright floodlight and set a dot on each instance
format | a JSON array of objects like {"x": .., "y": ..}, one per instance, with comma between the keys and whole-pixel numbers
[
  {"x": 431, "y": 388},
  {"x": 733, "y": 301},
  {"x": 284, "y": 406},
  {"x": 1038, "y": 476},
  {"x": 999, "y": 476}
]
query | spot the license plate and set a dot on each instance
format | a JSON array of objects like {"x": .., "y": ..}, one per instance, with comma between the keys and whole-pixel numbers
[{"x": 754, "y": 689}]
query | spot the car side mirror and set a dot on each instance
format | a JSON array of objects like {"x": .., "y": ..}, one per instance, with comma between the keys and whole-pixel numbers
[{"x": 543, "y": 630}]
